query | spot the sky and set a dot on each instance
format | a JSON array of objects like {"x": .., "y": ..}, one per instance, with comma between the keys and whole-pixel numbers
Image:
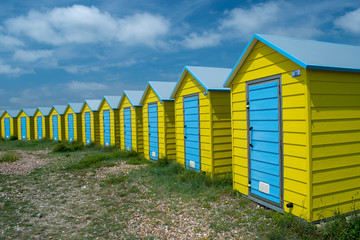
[{"x": 56, "y": 52}]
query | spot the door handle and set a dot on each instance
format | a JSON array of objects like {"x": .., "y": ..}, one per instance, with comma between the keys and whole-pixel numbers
[{"x": 250, "y": 136}]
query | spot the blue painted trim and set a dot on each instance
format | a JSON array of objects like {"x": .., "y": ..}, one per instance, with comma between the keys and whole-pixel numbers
[
  {"x": 198, "y": 79},
  {"x": 332, "y": 68},
  {"x": 286, "y": 54},
  {"x": 219, "y": 89},
  {"x": 227, "y": 83}
]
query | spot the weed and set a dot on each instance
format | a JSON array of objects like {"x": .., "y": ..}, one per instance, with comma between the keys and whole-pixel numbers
[
  {"x": 68, "y": 147},
  {"x": 10, "y": 157},
  {"x": 12, "y": 138},
  {"x": 341, "y": 228}
]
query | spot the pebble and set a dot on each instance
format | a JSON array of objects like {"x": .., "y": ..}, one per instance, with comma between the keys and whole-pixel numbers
[{"x": 39, "y": 215}]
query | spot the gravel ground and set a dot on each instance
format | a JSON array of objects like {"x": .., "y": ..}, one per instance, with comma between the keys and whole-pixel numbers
[{"x": 28, "y": 162}]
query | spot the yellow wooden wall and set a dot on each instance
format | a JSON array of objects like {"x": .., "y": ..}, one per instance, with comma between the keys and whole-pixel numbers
[
  {"x": 13, "y": 125},
  {"x": 77, "y": 124},
  {"x": 94, "y": 122},
  {"x": 335, "y": 129},
  {"x": 136, "y": 126},
  {"x": 29, "y": 126},
  {"x": 151, "y": 97},
  {"x": 170, "y": 139},
  {"x": 221, "y": 131},
  {"x": 262, "y": 62},
  {"x": 61, "y": 125},
  {"x": 114, "y": 126},
  {"x": 190, "y": 86},
  {"x": 45, "y": 125}
]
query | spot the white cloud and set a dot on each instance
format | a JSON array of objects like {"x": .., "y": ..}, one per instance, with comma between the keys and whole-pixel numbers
[
  {"x": 80, "y": 69},
  {"x": 10, "y": 41},
  {"x": 245, "y": 22},
  {"x": 349, "y": 22},
  {"x": 195, "y": 41},
  {"x": 85, "y": 86},
  {"x": 82, "y": 24},
  {"x": 32, "y": 56},
  {"x": 7, "y": 69}
]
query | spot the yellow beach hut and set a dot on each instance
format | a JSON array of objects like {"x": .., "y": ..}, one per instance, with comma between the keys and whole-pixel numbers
[
  {"x": 9, "y": 124},
  {"x": 72, "y": 119},
  {"x": 296, "y": 127},
  {"x": 131, "y": 128},
  {"x": 57, "y": 123},
  {"x": 158, "y": 120},
  {"x": 202, "y": 120},
  {"x": 109, "y": 121},
  {"x": 25, "y": 122},
  {"x": 41, "y": 123},
  {"x": 1, "y": 113},
  {"x": 90, "y": 121}
]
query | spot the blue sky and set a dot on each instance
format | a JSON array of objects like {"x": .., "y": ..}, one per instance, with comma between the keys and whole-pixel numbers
[{"x": 55, "y": 52}]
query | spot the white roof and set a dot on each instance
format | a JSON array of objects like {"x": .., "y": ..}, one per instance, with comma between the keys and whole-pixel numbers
[
  {"x": 211, "y": 78},
  {"x": 308, "y": 54},
  {"x": 93, "y": 104},
  {"x": 76, "y": 107},
  {"x": 134, "y": 97},
  {"x": 162, "y": 90},
  {"x": 45, "y": 110},
  {"x": 113, "y": 101},
  {"x": 29, "y": 111},
  {"x": 60, "y": 108}
]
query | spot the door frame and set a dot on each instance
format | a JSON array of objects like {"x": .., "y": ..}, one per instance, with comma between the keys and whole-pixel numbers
[
  {"x": 41, "y": 129},
  {"x": 73, "y": 130},
  {"x": 21, "y": 127},
  {"x": 254, "y": 197},
  {"x": 157, "y": 116},
  {"x": 126, "y": 108},
  {"x": 198, "y": 98},
  {"x": 85, "y": 114},
  {"x": 103, "y": 115}
]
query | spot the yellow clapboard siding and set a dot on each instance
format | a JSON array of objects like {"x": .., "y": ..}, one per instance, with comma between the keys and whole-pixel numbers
[
  {"x": 335, "y": 149},
  {"x": 29, "y": 126},
  {"x": 335, "y": 162},
  {"x": 13, "y": 125},
  {"x": 335, "y": 125},
  {"x": 334, "y": 198},
  {"x": 328, "y": 188},
  {"x": 325, "y": 138},
  {"x": 60, "y": 123},
  {"x": 335, "y": 100},
  {"x": 45, "y": 127},
  {"x": 335, "y": 174},
  {"x": 341, "y": 208},
  {"x": 335, "y": 113},
  {"x": 104, "y": 106}
]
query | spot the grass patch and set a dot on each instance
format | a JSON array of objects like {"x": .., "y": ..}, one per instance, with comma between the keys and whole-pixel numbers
[
  {"x": 114, "y": 179},
  {"x": 103, "y": 159},
  {"x": 10, "y": 157},
  {"x": 68, "y": 147},
  {"x": 13, "y": 138}
]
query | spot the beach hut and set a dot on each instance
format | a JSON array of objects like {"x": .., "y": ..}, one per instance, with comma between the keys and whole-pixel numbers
[
  {"x": 131, "y": 121},
  {"x": 202, "y": 120},
  {"x": 90, "y": 121},
  {"x": 9, "y": 124},
  {"x": 158, "y": 120},
  {"x": 25, "y": 122},
  {"x": 57, "y": 123},
  {"x": 296, "y": 127},
  {"x": 41, "y": 123},
  {"x": 1, "y": 113},
  {"x": 72, "y": 119},
  {"x": 109, "y": 125}
]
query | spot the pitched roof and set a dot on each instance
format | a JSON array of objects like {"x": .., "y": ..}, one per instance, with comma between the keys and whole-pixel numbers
[
  {"x": 29, "y": 111},
  {"x": 211, "y": 78},
  {"x": 92, "y": 103},
  {"x": 134, "y": 97},
  {"x": 162, "y": 90},
  {"x": 60, "y": 108},
  {"x": 76, "y": 107},
  {"x": 112, "y": 100},
  {"x": 308, "y": 54},
  {"x": 44, "y": 110},
  {"x": 13, "y": 113}
]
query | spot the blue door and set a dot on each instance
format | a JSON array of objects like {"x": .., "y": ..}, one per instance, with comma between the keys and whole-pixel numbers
[
  {"x": 107, "y": 134},
  {"x": 39, "y": 127},
  {"x": 55, "y": 127},
  {"x": 264, "y": 135},
  {"x": 7, "y": 127},
  {"x": 127, "y": 129},
  {"x": 153, "y": 132},
  {"x": 23, "y": 128},
  {"x": 87, "y": 128},
  {"x": 71, "y": 127},
  {"x": 192, "y": 133}
]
